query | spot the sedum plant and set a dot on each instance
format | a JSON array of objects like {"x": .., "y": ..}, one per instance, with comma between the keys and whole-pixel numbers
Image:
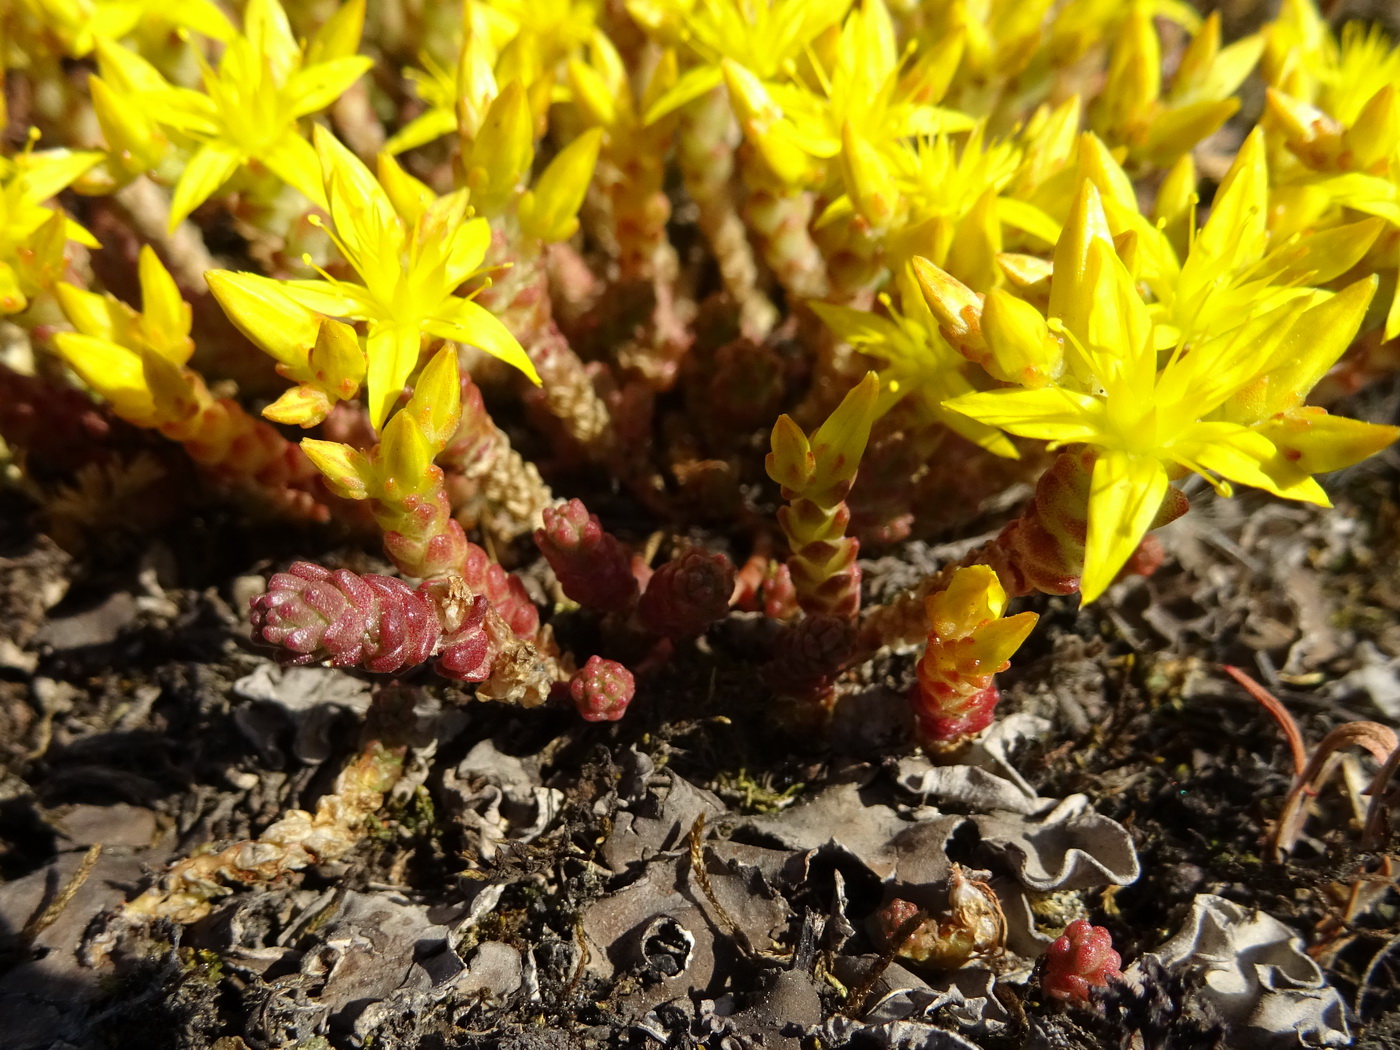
[
  {"x": 770, "y": 285},
  {"x": 136, "y": 362},
  {"x": 959, "y": 198},
  {"x": 34, "y": 237}
]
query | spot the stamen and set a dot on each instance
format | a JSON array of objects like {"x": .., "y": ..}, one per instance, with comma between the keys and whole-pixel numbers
[
  {"x": 308, "y": 261},
  {"x": 340, "y": 245},
  {"x": 1222, "y": 487}
]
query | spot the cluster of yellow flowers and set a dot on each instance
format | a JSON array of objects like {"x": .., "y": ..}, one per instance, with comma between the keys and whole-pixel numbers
[{"x": 997, "y": 203}]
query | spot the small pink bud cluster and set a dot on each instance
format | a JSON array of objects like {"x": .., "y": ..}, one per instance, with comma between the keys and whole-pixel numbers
[
  {"x": 1082, "y": 958},
  {"x": 379, "y": 623},
  {"x": 592, "y": 565},
  {"x": 602, "y": 689},
  {"x": 687, "y": 594}
]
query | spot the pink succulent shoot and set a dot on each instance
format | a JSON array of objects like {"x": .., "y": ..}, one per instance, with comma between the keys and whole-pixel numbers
[
  {"x": 592, "y": 565},
  {"x": 1082, "y": 958}
]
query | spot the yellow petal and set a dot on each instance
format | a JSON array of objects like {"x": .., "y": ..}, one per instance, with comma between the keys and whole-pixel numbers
[
  {"x": 1315, "y": 341},
  {"x": 1134, "y": 80},
  {"x": 314, "y": 88},
  {"x": 437, "y": 399},
  {"x": 1235, "y": 233},
  {"x": 301, "y": 406},
  {"x": 700, "y": 80},
  {"x": 1324, "y": 255},
  {"x": 995, "y": 643},
  {"x": 839, "y": 442},
  {"x": 1373, "y": 135},
  {"x": 1119, "y": 327},
  {"x": 861, "y": 328},
  {"x": 1124, "y": 495},
  {"x": 12, "y": 299},
  {"x": 337, "y": 299},
  {"x": 550, "y": 211},
  {"x": 1392, "y": 316},
  {"x": 421, "y": 130},
  {"x": 113, "y": 371},
  {"x": 392, "y": 355},
  {"x": 1023, "y": 350},
  {"x": 165, "y": 311},
  {"x": 1177, "y": 130},
  {"x": 337, "y": 361},
  {"x": 791, "y": 463},
  {"x": 292, "y": 160},
  {"x": 270, "y": 34},
  {"x": 1097, "y": 165},
  {"x": 592, "y": 94},
  {"x": 1051, "y": 413},
  {"x": 203, "y": 17},
  {"x": 339, "y": 36},
  {"x": 464, "y": 321},
  {"x": 499, "y": 159},
  {"x": 957, "y": 307},
  {"x": 210, "y": 167},
  {"x": 973, "y": 597},
  {"x": 262, "y": 310},
  {"x": 868, "y": 179},
  {"x": 364, "y": 217},
  {"x": 1249, "y": 458},
  {"x": 1071, "y": 300},
  {"x": 130, "y": 135},
  {"x": 409, "y": 196},
  {"x": 405, "y": 456},
  {"x": 88, "y": 312}
]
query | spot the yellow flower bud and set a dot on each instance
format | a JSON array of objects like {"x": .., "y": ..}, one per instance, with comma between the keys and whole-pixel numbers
[{"x": 1023, "y": 350}]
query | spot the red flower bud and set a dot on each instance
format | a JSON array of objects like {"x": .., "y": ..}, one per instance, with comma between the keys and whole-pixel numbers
[
  {"x": 1082, "y": 958},
  {"x": 602, "y": 689}
]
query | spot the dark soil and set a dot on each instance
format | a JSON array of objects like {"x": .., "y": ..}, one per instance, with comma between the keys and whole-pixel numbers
[{"x": 120, "y": 725}]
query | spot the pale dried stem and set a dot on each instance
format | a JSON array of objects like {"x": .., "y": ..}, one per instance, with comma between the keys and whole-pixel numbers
[
  {"x": 356, "y": 122},
  {"x": 705, "y": 153},
  {"x": 1383, "y": 797},
  {"x": 147, "y": 207},
  {"x": 186, "y": 892},
  {"x": 523, "y": 672},
  {"x": 779, "y": 219},
  {"x": 509, "y": 495},
  {"x": 1379, "y": 740},
  {"x": 519, "y": 296}
]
